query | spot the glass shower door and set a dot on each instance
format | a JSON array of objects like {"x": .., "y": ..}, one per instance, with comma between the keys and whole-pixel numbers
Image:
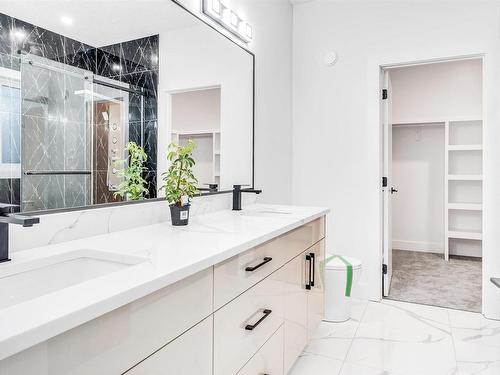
[{"x": 56, "y": 137}]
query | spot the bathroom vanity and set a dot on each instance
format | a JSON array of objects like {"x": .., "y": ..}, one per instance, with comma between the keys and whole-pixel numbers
[{"x": 233, "y": 293}]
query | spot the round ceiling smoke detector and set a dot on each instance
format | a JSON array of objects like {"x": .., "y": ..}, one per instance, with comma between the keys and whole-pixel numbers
[{"x": 330, "y": 58}]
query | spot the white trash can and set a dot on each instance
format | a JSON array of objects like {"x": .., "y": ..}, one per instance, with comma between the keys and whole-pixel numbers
[{"x": 341, "y": 275}]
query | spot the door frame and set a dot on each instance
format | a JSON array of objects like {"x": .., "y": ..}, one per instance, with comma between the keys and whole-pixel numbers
[{"x": 382, "y": 68}]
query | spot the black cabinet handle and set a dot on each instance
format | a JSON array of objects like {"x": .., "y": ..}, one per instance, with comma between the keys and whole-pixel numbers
[
  {"x": 251, "y": 327},
  {"x": 264, "y": 261},
  {"x": 309, "y": 281},
  {"x": 313, "y": 261}
]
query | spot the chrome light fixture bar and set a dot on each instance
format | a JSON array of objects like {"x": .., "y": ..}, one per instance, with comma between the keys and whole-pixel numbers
[{"x": 228, "y": 18}]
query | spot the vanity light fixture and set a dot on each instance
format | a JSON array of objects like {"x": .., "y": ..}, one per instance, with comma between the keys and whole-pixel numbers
[
  {"x": 217, "y": 7},
  {"x": 248, "y": 31},
  {"x": 235, "y": 20},
  {"x": 219, "y": 12}
]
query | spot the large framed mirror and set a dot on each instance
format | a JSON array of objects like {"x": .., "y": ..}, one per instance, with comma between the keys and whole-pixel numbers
[{"x": 80, "y": 82}]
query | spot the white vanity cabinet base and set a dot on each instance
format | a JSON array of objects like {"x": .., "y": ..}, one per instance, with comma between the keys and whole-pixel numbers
[
  {"x": 179, "y": 330},
  {"x": 118, "y": 340},
  {"x": 189, "y": 354},
  {"x": 269, "y": 359}
]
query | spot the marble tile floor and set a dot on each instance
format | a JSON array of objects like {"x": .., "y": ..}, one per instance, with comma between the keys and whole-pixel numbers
[{"x": 398, "y": 338}]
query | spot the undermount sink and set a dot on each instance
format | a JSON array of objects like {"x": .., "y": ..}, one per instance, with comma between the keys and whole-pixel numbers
[{"x": 23, "y": 281}]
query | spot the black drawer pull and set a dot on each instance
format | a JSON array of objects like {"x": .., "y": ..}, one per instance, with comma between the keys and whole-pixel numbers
[
  {"x": 309, "y": 274},
  {"x": 253, "y": 268},
  {"x": 313, "y": 259},
  {"x": 251, "y": 327}
]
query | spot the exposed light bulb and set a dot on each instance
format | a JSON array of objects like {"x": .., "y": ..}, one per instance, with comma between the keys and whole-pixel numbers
[
  {"x": 216, "y": 7},
  {"x": 235, "y": 20}
]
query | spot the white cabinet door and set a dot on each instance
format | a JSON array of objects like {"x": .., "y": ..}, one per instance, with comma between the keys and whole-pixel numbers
[
  {"x": 189, "y": 354},
  {"x": 269, "y": 359},
  {"x": 295, "y": 309},
  {"x": 315, "y": 295}
]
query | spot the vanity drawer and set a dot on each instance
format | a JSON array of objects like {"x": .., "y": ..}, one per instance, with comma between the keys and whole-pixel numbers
[
  {"x": 269, "y": 359},
  {"x": 235, "y": 342},
  {"x": 234, "y": 276},
  {"x": 118, "y": 340},
  {"x": 189, "y": 354}
]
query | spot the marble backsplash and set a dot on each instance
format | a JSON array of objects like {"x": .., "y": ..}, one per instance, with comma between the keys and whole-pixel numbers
[{"x": 68, "y": 226}]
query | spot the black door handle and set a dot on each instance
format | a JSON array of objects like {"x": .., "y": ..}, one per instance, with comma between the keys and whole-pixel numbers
[
  {"x": 251, "y": 327},
  {"x": 313, "y": 267},
  {"x": 393, "y": 190},
  {"x": 264, "y": 261},
  {"x": 309, "y": 280}
]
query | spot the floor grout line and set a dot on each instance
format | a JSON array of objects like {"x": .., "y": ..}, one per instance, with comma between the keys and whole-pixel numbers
[
  {"x": 453, "y": 342},
  {"x": 354, "y": 336}
]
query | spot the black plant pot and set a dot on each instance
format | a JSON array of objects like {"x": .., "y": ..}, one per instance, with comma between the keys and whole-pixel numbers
[{"x": 180, "y": 215}]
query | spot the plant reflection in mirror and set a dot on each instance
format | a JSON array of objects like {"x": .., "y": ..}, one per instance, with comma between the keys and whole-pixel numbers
[{"x": 133, "y": 186}]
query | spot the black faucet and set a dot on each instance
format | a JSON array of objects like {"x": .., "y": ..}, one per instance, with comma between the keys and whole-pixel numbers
[
  {"x": 8, "y": 216},
  {"x": 237, "y": 190},
  {"x": 212, "y": 188}
]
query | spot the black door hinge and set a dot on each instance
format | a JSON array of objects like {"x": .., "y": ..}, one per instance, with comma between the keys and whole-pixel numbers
[
  {"x": 385, "y": 94},
  {"x": 384, "y": 181},
  {"x": 384, "y": 269}
]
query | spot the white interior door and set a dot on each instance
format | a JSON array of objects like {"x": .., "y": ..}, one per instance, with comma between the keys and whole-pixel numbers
[{"x": 388, "y": 189}]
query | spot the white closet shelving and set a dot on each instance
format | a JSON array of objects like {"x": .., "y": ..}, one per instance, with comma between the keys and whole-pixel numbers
[
  {"x": 463, "y": 181},
  {"x": 212, "y": 139}
]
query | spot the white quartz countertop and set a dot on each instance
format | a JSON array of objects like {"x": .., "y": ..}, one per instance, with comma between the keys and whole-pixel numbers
[{"x": 172, "y": 253}]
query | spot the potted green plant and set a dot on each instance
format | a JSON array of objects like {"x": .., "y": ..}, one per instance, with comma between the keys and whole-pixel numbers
[
  {"x": 180, "y": 182},
  {"x": 133, "y": 186}
]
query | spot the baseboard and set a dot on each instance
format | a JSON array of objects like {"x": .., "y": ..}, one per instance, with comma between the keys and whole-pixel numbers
[
  {"x": 426, "y": 247},
  {"x": 434, "y": 247}
]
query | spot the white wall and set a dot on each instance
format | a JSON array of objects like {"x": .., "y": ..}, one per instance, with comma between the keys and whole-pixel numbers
[
  {"x": 336, "y": 139},
  {"x": 437, "y": 91},
  {"x": 418, "y": 174},
  {"x": 272, "y": 45}
]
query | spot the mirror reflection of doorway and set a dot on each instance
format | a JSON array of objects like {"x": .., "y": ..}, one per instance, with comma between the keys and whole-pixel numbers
[
  {"x": 196, "y": 115},
  {"x": 433, "y": 157}
]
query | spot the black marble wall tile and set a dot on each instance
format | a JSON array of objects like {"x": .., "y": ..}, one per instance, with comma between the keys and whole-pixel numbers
[
  {"x": 136, "y": 108},
  {"x": 6, "y": 35},
  {"x": 79, "y": 55},
  {"x": 135, "y": 132},
  {"x": 150, "y": 143},
  {"x": 151, "y": 178},
  {"x": 9, "y": 190},
  {"x": 140, "y": 54},
  {"x": 37, "y": 41},
  {"x": 108, "y": 61},
  {"x": 150, "y": 107}
]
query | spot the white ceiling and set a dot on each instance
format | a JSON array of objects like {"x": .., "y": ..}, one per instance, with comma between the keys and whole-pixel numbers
[{"x": 101, "y": 22}]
